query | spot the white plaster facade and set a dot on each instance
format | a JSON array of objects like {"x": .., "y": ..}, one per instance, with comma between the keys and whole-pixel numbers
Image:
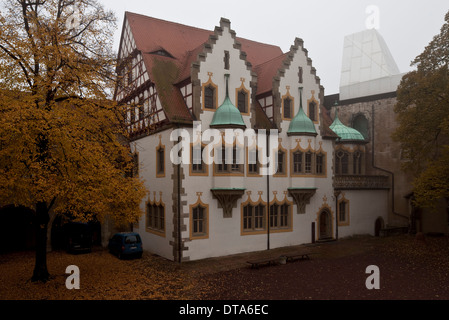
[{"x": 225, "y": 234}]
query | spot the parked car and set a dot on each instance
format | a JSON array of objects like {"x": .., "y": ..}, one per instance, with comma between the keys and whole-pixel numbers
[
  {"x": 78, "y": 237},
  {"x": 126, "y": 244}
]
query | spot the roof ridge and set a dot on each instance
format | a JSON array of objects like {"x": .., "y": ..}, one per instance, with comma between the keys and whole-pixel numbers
[
  {"x": 200, "y": 29},
  {"x": 271, "y": 60},
  {"x": 167, "y": 21}
]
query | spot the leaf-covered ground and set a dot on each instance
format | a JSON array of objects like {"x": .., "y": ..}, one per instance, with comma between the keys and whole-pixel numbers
[{"x": 409, "y": 269}]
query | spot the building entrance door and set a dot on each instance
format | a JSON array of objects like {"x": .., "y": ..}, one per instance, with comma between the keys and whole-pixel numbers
[{"x": 325, "y": 225}]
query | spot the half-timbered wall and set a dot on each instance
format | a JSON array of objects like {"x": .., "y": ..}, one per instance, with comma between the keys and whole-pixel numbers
[{"x": 136, "y": 89}]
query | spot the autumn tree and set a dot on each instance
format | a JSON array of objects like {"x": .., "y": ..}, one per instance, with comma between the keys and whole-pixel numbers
[
  {"x": 63, "y": 146},
  {"x": 423, "y": 114}
]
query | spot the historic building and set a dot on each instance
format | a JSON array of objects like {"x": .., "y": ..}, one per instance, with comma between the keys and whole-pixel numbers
[
  {"x": 369, "y": 81},
  {"x": 188, "y": 84}
]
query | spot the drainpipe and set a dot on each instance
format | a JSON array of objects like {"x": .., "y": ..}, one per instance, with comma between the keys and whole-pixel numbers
[
  {"x": 384, "y": 170},
  {"x": 268, "y": 193},
  {"x": 336, "y": 194}
]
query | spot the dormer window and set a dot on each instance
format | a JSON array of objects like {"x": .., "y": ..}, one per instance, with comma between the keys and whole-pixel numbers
[{"x": 162, "y": 53}]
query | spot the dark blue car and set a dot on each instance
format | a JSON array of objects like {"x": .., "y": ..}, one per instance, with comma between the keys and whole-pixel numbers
[{"x": 126, "y": 244}]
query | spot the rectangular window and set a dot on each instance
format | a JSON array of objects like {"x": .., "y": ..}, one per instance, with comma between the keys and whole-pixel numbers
[
  {"x": 274, "y": 215},
  {"x": 300, "y": 72},
  {"x": 253, "y": 163},
  {"x": 319, "y": 163},
  {"x": 248, "y": 212},
  {"x": 160, "y": 161},
  {"x": 342, "y": 211},
  {"x": 259, "y": 215},
  {"x": 253, "y": 217},
  {"x": 280, "y": 216},
  {"x": 199, "y": 220},
  {"x": 284, "y": 215},
  {"x": 357, "y": 163},
  {"x": 161, "y": 224},
  {"x": 297, "y": 162},
  {"x": 308, "y": 164},
  {"x": 280, "y": 162},
  {"x": 235, "y": 159},
  {"x": 222, "y": 166},
  {"x": 209, "y": 97},
  {"x": 156, "y": 217},
  {"x": 233, "y": 165},
  {"x": 287, "y": 108},
  {"x": 198, "y": 165},
  {"x": 312, "y": 111},
  {"x": 241, "y": 103},
  {"x": 226, "y": 60}
]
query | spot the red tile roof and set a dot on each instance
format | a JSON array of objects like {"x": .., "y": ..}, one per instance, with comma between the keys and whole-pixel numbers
[
  {"x": 184, "y": 43},
  {"x": 266, "y": 72},
  {"x": 151, "y": 34}
]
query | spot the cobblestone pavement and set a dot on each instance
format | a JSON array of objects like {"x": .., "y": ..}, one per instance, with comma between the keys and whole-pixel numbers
[{"x": 408, "y": 269}]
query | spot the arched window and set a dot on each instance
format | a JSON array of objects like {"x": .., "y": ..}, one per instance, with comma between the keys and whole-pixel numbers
[
  {"x": 342, "y": 162},
  {"x": 361, "y": 124},
  {"x": 357, "y": 162}
]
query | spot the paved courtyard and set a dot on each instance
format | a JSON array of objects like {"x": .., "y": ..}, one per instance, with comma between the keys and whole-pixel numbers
[{"x": 409, "y": 269}]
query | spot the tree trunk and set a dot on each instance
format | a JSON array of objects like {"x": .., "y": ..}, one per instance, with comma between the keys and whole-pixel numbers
[{"x": 41, "y": 224}]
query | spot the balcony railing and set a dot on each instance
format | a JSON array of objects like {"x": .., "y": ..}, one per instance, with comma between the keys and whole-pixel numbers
[{"x": 354, "y": 182}]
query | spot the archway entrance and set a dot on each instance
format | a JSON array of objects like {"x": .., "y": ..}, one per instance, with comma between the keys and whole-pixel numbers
[
  {"x": 325, "y": 225},
  {"x": 378, "y": 226}
]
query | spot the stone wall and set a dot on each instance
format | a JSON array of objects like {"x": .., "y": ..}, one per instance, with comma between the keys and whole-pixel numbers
[{"x": 383, "y": 155}]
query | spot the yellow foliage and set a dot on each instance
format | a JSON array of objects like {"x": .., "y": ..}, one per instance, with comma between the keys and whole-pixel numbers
[{"x": 62, "y": 141}]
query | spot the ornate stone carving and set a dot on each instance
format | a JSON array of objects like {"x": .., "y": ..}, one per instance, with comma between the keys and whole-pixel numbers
[
  {"x": 301, "y": 197},
  {"x": 354, "y": 182},
  {"x": 227, "y": 199}
]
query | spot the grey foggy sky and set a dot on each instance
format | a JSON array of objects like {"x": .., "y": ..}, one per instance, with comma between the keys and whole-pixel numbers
[{"x": 406, "y": 25}]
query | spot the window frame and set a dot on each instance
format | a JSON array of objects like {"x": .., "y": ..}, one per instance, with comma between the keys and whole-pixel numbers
[
  {"x": 229, "y": 169},
  {"x": 205, "y": 167},
  {"x": 155, "y": 220},
  {"x": 282, "y": 219},
  {"x": 345, "y": 203},
  {"x": 258, "y": 221},
  {"x": 204, "y": 234},
  {"x": 210, "y": 85},
  {"x": 160, "y": 165}
]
